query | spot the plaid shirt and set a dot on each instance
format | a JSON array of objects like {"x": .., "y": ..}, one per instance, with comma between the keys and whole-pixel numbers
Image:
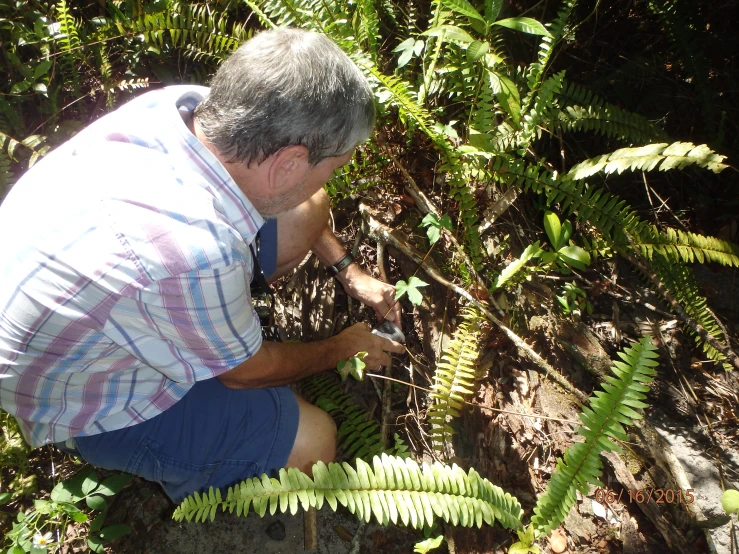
[{"x": 124, "y": 273}]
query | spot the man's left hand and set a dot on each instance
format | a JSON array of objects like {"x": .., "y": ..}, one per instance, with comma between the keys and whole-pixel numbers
[{"x": 371, "y": 292}]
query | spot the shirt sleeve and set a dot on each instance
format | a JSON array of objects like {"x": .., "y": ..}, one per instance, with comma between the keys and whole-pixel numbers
[{"x": 192, "y": 326}]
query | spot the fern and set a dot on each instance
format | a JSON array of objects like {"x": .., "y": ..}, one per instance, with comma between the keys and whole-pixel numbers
[
  {"x": 194, "y": 28},
  {"x": 664, "y": 157},
  {"x": 366, "y": 25},
  {"x": 582, "y": 110},
  {"x": 622, "y": 229},
  {"x": 358, "y": 434},
  {"x": 393, "y": 489},
  {"x": 609, "y": 411},
  {"x": 680, "y": 283},
  {"x": 454, "y": 378},
  {"x": 6, "y": 175},
  {"x": 537, "y": 69},
  {"x": 69, "y": 41}
]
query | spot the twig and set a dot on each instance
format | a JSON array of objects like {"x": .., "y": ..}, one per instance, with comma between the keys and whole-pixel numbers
[
  {"x": 425, "y": 205},
  {"x": 377, "y": 229},
  {"x": 310, "y": 534}
]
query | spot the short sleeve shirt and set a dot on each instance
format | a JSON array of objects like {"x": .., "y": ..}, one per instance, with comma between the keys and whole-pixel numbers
[{"x": 124, "y": 273}]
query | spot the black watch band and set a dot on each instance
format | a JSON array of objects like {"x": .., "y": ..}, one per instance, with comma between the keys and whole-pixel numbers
[{"x": 340, "y": 265}]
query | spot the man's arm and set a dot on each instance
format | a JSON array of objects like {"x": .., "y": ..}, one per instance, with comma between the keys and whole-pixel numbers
[
  {"x": 357, "y": 284},
  {"x": 277, "y": 363}
]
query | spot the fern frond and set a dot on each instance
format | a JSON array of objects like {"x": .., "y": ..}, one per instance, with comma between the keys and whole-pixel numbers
[
  {"x": 679, "y": 282},
  {"x": 537, "y": 69},
  {"x": 454, "y": 378},
  {"x": 604, "y": 419},
  {"x": 543, "y": 106},
  {"x": 366, "y": 23},
  {"x": 69, "y": 41},
  {"x": 6, "y": 175},
  {"x": 582, "y": 110},
  {"x": 358, "y": 434},
  {"x": 393, "y": 490},
  {"x": 660, "y": 156},
  {"x": 194, "y": 28},
  {"x": 689, "y": 247}
]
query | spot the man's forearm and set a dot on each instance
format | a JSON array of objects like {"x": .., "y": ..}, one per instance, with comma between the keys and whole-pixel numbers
[{"x": 277, "y": 363}]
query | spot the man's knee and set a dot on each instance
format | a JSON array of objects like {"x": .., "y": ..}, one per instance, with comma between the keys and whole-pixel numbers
[{"x": 316, "y": 438}]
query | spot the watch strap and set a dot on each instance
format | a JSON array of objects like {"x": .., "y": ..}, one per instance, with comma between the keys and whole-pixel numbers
[{"x": 340, "y": 265}]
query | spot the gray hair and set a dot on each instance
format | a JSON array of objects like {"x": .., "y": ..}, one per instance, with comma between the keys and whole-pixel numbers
[{"x": 282, "y": 88}]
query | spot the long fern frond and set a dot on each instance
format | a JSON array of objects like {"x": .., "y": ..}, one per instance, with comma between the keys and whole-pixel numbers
[
  {"x": 583, "y": 110},
  {"x": 454, "y": 378},
  {"x": 660, "y": 156},
  {"x": 393, "y": 489},
  {"x": 358, "y": 434},
  {"x": 609, "y": 411}
]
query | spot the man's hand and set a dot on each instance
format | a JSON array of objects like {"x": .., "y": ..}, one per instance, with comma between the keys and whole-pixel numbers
[
  {"x": 371, "y": 292},
  {"x": 358, "y": 338}
]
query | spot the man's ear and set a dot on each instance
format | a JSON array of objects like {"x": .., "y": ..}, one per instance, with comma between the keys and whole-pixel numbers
[{"x": 288, "y": 168}]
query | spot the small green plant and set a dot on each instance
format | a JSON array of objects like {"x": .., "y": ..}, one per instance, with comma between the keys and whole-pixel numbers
[
  {"x": 565, "y": 254},
  {"x": 38, "y": 529},
  {"x": 525, "y": 544},
  {"x": 426, "y": 546},
  {"x": 574, "y": 300},
  {"x": 354, "y": 366},
  {"x": 411, "y": 289}
]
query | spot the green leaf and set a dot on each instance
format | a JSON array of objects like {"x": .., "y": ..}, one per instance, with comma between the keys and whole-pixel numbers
[
  {"x": 96, "y": 545},
  {"x": 411, "y": 289},
  {"x": 522, "y": 548},
  {"x": 525, "y": 25},
  {"x": 406, "y": 49},
  {"x": 113, "y": 484},
  {"x": 463, "y": 7},
  {"x": 41, "y": 69},
  {"x": 21, "y": 87},
  {"x": 97, "y": 523},
  {"x": 451, "y": 32},
  {"x": 90, "y": 483},
  {"x": 730, "y": 501},
  {"x": 507, "y": 94},
  {"x": 35, "y": 550},
  {"x": 5, "y": 497},
  {"x": 492, "y": 9},
  {"x": 79, "y": 517},
  {"x": 354, "y": 366},
  {"x": 96, "y": 502},
  {"x": 477, "y": 50},
  {"x": 429, "y": 544},
  {"x": 112, "y": 532},
  {"x": 575, "y": 256},
  {"x": 554, "y": 229},
  {"x": 70, "y": 490}
]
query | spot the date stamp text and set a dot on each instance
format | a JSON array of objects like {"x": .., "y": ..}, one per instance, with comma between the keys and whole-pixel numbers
[{"x": 642, "y": 496}]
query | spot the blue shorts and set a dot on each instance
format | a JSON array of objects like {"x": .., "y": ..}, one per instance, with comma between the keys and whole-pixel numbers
[{"x": 214, "y": 436}]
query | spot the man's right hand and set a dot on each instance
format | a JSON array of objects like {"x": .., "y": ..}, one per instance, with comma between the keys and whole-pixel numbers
[{"x": 358, "y": 338}]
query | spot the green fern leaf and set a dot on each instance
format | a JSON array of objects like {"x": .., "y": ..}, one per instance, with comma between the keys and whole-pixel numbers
[
  {"x": 393, "y": 490},
  {"x": 454, "y": 378},
  {"x": 653, "y": 156},
  {"x": 603, "y": 420}
]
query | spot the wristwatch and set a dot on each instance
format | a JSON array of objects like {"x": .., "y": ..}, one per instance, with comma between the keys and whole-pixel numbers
[{"x": 335, "y": 269}]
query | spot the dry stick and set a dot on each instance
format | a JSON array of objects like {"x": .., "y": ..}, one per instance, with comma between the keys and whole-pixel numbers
[
  {"x": 641, "y": 263},
  {"x": 426, "y": 206},
  {"x": 381, "y": 232},
  {"x": 387, "y": 389}
]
